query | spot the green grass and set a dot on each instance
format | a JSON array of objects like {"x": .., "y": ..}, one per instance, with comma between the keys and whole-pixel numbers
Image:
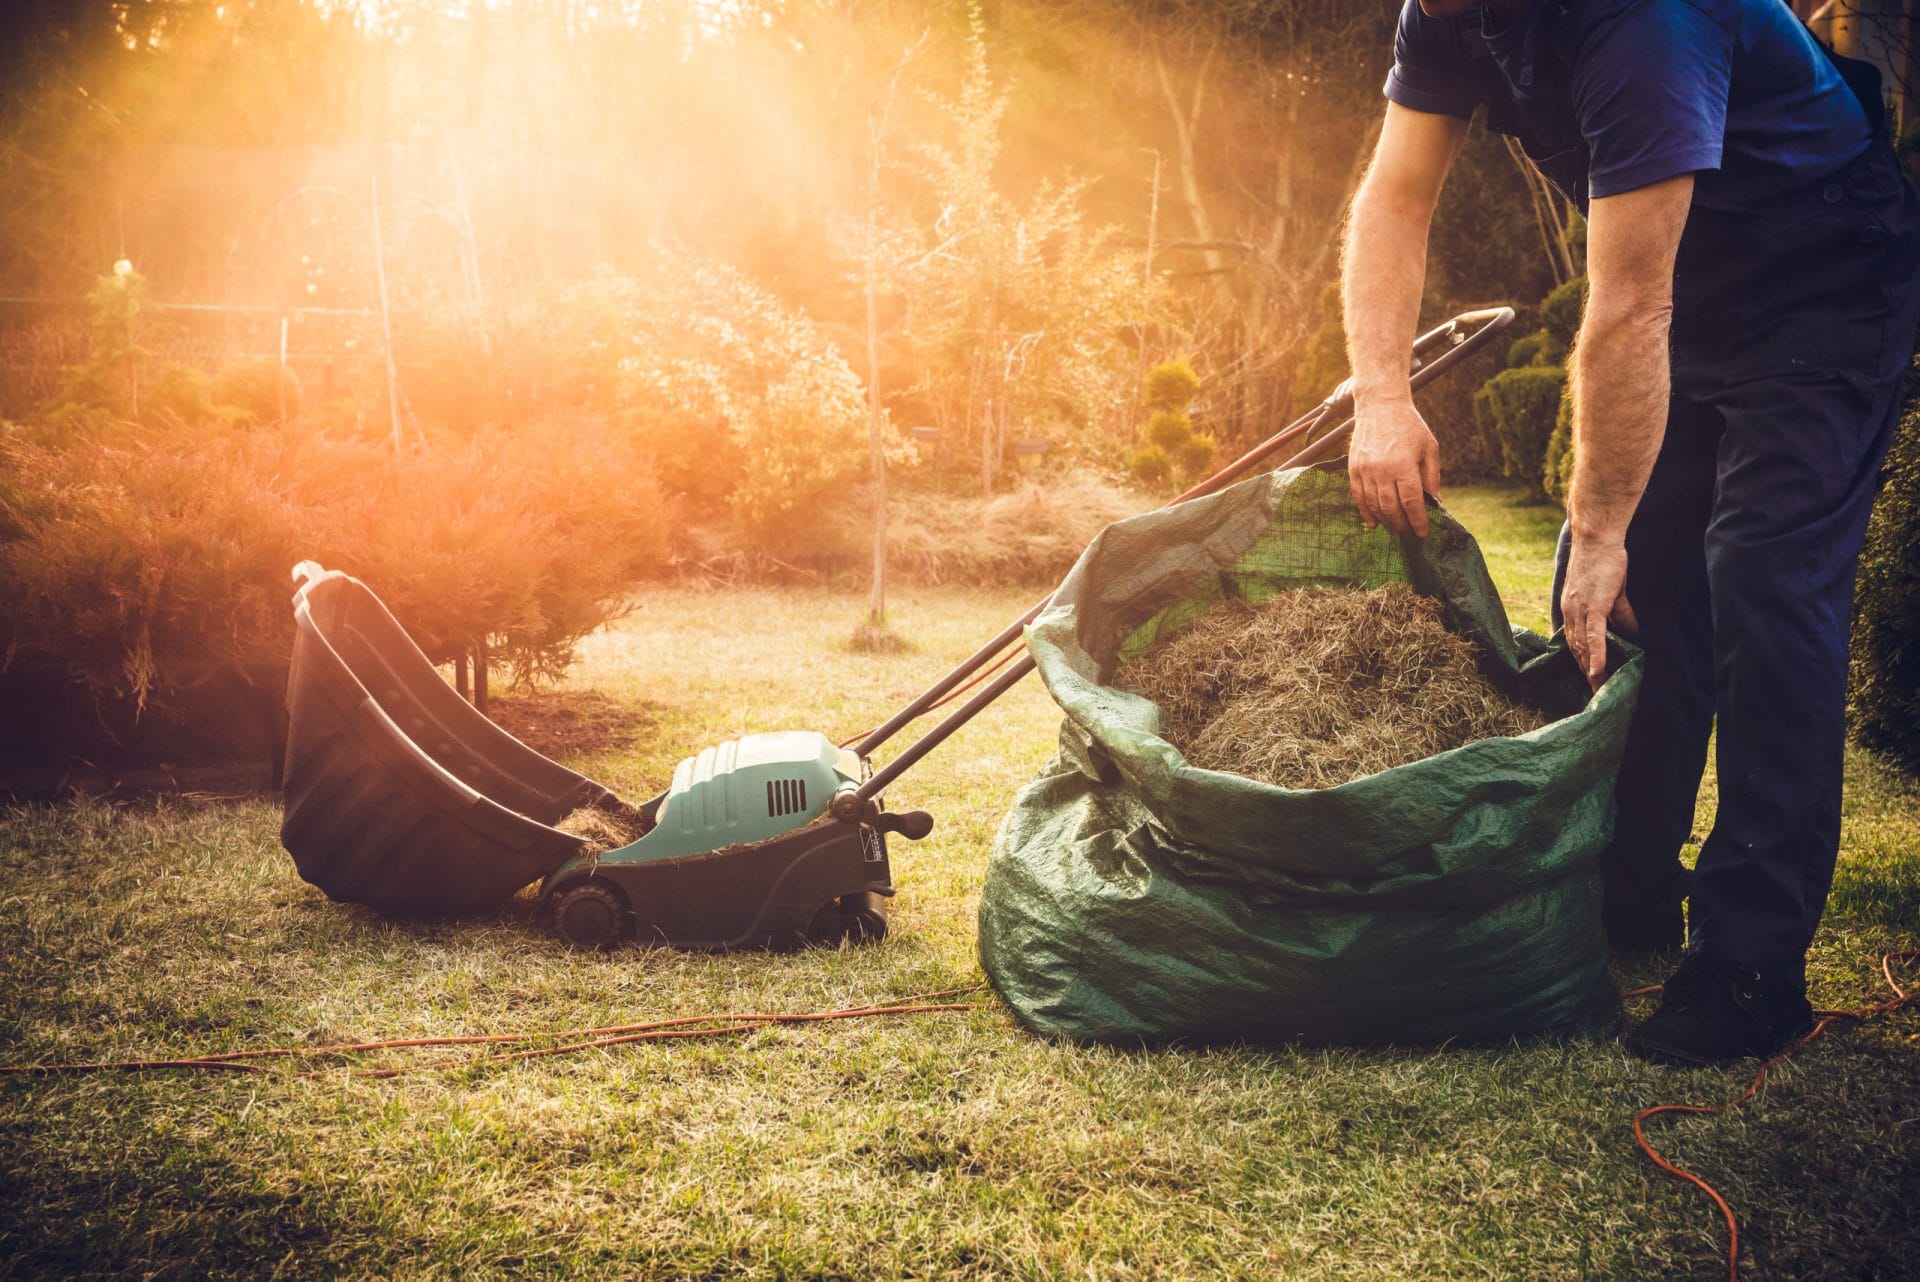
[
  {"x": 1517, "y": 543},
  {"x": 938, "y": 1146}
]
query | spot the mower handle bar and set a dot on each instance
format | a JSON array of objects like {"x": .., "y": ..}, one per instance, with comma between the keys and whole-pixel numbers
[{"x": 1455, "y": 344}]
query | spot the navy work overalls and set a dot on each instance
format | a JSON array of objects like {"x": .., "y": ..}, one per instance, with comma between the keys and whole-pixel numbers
[{"x": 1793, "y": 323}]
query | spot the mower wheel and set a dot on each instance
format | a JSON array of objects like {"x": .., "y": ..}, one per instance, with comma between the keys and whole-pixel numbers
[
  {"x": 853, "y": 919},
  {"x": 590, "y": 915}
]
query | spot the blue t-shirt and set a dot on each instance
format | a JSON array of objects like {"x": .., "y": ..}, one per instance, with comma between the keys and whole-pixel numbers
[{"x": 1611, "y": 95}]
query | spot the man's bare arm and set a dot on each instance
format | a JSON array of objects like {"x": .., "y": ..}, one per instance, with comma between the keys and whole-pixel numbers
[
  {"x": 1393, "y": 457},
  {"x": 1621, "y": 377}
]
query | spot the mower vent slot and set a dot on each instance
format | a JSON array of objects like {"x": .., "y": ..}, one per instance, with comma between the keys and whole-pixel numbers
[{"x": 786, "y": 796}]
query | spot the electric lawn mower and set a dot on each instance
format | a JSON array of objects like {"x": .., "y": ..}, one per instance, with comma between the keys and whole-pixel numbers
[{"x": 401, "y": 796}]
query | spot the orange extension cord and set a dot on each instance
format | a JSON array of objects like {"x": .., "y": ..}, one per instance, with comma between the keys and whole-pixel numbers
[
  {"x": 1828, "y": 1018},
  {"x": 585, "y": 1039}
]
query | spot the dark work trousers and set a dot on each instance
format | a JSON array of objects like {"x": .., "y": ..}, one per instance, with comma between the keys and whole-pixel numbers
[{"x": 1793, "y": 325}]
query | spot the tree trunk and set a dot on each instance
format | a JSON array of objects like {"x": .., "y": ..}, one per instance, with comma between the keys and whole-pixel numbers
[
  {"x": 386, "y": 316},
  {"x": 481, "y": 661},
  {"x": 876, "y": 447}
]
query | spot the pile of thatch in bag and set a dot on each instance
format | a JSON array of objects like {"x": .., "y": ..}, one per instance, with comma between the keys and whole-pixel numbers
[{"x": 1321, "y": 685}]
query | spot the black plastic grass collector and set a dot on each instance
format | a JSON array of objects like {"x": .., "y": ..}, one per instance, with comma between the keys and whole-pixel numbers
[{"x": 398, "y": 794}]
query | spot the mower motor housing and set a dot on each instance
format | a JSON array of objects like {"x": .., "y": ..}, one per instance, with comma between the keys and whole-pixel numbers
[{"x": 746, "y": 849}]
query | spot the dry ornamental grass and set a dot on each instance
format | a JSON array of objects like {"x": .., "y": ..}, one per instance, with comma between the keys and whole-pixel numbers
[{"x": 1322, "y": 685}]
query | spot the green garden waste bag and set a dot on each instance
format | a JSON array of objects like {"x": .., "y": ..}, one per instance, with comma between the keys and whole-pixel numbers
[{"x": 1131, "y": 896}]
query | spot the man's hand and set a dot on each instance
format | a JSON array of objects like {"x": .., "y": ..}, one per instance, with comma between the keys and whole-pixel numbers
[
  {"x": 1392, "y": 457},
  {"x": 1594, "y": 595},
  {"x": 1621, "y": 385},
  {"x": 1392, "y": 464}
]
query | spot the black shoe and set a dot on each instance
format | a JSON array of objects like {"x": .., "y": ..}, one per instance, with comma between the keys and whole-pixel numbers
[
  {"x": 1645, "y": 931},
  {"x": 1714, "y": 1011}
]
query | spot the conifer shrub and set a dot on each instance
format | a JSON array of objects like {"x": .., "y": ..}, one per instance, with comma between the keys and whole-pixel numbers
[
  {"x": 1884, "y": 690},
  {"x": 1469, "y": 450},
  {"x": 1520, "y": 412},
  {"x": 1560, "y": 312},
  {"x": 183, "y": 393},
  {"x": 1557, "y": 476},
  {"x": 137, "y": 566},
  {"x": 1169, "y": 430},
  {"x": 1172, "y": 447},
  {"x": 1172, "y": 385},
  {"x": 1537, "y": 348},
  {"x": 256, "y": 391},
  {"x": 1524, "y": 405},
  {"x": 1323, "y": 360},
  {"x": 1196, "y": 454},
  {"x": 1149, "y": 466}
]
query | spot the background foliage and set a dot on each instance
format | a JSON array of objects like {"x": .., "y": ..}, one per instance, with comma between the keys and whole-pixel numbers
[{"x": 507, "y": 307}]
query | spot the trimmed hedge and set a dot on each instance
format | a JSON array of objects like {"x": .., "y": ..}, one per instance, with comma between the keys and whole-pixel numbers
[
  {"x": 1558, "y": 475},
  {"x": 1171, "y": 442},
  {"x": 1560, "y": 311},
  {"x": 1469, "y": 447},
  {"x": 1524, "y": 405}
]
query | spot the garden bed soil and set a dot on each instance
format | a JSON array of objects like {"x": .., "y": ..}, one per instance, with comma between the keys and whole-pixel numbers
[{"x": 567, "y": 723}]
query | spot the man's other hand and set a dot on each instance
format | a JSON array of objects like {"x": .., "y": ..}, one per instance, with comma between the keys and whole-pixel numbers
[
  {"x": 1594, "y": 595},
  {"x": 1392, "y": 465}
]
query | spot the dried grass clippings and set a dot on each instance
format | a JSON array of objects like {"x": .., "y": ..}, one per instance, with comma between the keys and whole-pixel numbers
[
  {"x": 1319, "y": 686},
  {"x": 602, "y": 829}
]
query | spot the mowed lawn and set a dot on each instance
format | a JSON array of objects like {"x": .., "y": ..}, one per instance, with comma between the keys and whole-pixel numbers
[{"x": 929, "y": 1146}]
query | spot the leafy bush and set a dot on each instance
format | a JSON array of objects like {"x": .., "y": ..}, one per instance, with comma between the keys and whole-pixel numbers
[
  {"x": 1884, "y": 694},
  {"x": 111, "y": 391},
  {"x": 750, "y": 411},
  {"x": 258, "y": 391},
  {"x": 704, "y": 340},
  {"x": 1525, "y": 404}
]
